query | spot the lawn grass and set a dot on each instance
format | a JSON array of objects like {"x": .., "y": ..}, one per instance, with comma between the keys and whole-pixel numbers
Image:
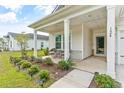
[
  {"x": 29, "y": 53},
  {"x": 10, "y": 77}
]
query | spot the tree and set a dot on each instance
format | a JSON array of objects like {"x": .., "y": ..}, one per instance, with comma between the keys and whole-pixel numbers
[
  {"x": 22, "y": 41},
  {"x": 3, "y": 44}
]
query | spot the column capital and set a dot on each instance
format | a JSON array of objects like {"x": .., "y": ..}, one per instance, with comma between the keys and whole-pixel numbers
[
  {"x": 66, "y": 20},
  {"x": 35, "y": 30},
  {"x": 110, "y": 7}
]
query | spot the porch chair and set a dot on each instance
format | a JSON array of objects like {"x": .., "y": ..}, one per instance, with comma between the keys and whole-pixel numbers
[{"x": 52, "y": 51}]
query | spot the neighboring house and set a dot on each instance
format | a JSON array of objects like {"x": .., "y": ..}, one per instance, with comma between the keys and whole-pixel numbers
[
  {"x": 42, "y": 42},
  {"x": 4, "y": 43},
  {"x": 86, "y": 30},
  {"x": 6, "y": 40},
  {"x": 1, "y": 43}
]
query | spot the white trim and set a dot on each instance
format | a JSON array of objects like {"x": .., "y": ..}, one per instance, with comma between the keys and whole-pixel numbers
[
  {"x": 49, "y": 16},
  {"x": 82, "y": 41},
  {"x": 77, "y": 49},
  {"x": 95, "y": 35},
  {"x": 71, "y": 16},
  {"x": 35, "y": 44},
  {"x": 49, "y": 24},
  {"x": 111, "y": 41},
  {"x": 62, "y": 41},
  {"x": 85, "y": 11},
  {"x": 71, "y": 38},
  {"x": 66, "y": 39},
  {"x": 118, "y": 43}
]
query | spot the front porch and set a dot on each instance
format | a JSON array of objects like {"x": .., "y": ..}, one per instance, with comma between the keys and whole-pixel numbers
[
  {"x": 92, "y": 64},
  {"x": 82, "y": 28}
]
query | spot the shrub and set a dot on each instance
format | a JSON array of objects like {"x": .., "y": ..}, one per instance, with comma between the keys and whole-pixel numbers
[
  {"x": 25, "y": 65},
  {"x": 11, "y": 59},
  {"x": 33, "y": 70},
  {"x": 46, "y": 51},
  {"x": 20, "y": 63},
  {"x": 44, "y": 75},
  {"x": 41, "y": 53},
  {"x": 15, "y": 60},
  {"x": 48, "y": 61},
  {"x": 32, "y": 58},
  {"x": 105, "y": 81},
  {"x": 65, "y": 65}
]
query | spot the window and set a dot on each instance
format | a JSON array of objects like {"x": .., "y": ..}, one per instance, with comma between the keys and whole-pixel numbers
[
  {"x": 42, "y": 44},
  {"x": 58, "y": 41},
  {"x": 100, "y": 45}
]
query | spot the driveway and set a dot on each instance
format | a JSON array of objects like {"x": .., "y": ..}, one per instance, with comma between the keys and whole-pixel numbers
[{"x": 74, "y": 79}]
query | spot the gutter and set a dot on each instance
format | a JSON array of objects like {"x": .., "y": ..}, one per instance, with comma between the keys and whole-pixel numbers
[{"x": 33, "y": 25}]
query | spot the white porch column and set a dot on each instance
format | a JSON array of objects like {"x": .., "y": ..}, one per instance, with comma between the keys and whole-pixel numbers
[
  {"x": 35, "y": 44},
  {"x": 51, "y": 41},
  {"x": 66, "y": 39},
  {"x": 111, "y": 41}
]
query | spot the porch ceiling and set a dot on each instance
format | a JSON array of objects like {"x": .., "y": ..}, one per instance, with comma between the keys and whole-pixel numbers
[{"x": 94, "y": 20}]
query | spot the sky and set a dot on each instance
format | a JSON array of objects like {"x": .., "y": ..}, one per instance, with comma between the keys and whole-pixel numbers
[{"x": 16, "y": 18}]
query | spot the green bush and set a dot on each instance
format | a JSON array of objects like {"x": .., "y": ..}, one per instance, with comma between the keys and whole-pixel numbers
[
  {"x": 105, "y": 81},
  {"x": 65, "y": 65},
  {"x": 46, "y": 51},
  {"x": 25, "y": 65},
  {"x": 41, "y": 53},
  {"x": 20, "y": 63},
  {"x": 32, "y": 58},
  {"x": 48, "y": 61},
  {"x": 44, "y": 75},
  {"x": 33, "y": 70},
  {"x": 15, "y": 60},
  {"x": 11, "y": 59}
]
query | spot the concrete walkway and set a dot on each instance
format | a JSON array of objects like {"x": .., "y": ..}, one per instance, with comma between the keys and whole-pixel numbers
[{"x": 74, "y": 79}]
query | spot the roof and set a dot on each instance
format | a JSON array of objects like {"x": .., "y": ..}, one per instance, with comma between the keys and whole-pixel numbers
[
  {"x": 57, "y": 8},
  {"x": 66, "y": 12},
  {"x": 55, "y": 12},
  {"x": 6, "y": 36},
  {"x": 31, "y": 36}
]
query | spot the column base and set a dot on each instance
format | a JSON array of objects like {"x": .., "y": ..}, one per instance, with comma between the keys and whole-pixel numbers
[{"x": 112, "y": 74}]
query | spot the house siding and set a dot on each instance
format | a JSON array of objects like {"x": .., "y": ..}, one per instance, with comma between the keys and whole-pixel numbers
[
  {"x": 87, "y": 42},
  {"x": 76, "y": 54},
  {"x": 16, "y": 47}
]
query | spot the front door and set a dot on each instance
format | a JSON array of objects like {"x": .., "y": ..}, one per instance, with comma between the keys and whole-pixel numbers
[{"x": 100, "y": 46}]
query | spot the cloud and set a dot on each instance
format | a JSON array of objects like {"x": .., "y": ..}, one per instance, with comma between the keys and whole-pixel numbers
[
  {"x": 47, "y": 9},
  {"x": 14, "y": 8},
  {"x": 9, "y": 17}
]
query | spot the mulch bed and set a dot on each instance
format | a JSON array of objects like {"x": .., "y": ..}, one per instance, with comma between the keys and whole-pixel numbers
[
  {"x": 93, "y": 84},
  {"x": 55, "y": 72}
]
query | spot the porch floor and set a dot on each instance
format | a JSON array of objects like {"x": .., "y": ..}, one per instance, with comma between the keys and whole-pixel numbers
[{"x": 92, "y": 64}]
